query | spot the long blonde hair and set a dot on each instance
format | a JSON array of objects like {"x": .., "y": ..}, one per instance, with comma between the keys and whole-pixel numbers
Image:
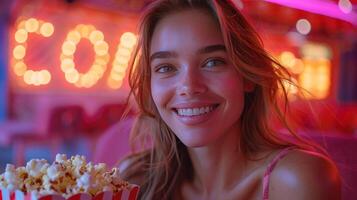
[{"x": 161, "y": 169}]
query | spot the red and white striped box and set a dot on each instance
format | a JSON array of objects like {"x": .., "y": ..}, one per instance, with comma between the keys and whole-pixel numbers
[{"x": 126, "y": 194}]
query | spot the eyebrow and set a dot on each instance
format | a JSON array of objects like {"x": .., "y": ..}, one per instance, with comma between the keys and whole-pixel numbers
[
  {"x": 212, "y": 48},
  {"x": 170, "y": 54},
  {"x": 162, "y": 54}
]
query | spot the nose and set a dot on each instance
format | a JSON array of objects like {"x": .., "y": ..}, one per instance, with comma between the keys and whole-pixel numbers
[{"x": 191, "y": 83}]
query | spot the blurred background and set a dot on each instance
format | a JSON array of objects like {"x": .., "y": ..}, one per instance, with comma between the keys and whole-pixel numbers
[{"x": 63, "y": 72}]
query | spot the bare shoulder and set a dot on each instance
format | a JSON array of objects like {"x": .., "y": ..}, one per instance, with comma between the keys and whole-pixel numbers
[{"x": 305, "y": 175}]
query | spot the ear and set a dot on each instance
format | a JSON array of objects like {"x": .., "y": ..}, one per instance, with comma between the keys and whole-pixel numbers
[{"x": 248, "y": 85}]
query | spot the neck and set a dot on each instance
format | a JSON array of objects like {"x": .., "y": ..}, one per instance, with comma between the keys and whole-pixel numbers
[{"x": 218, "y": 166}]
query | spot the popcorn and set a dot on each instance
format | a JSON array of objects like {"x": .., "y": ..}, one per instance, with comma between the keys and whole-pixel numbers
[
  {"x": 64, "y": 176},
  {"x": 11, "y": 179},
  {"x": 37, "y": 167},
  {"x": 54, "y": 172},
  {"x": 2, "y": 181},
  {"x": 61, "y": 158}
]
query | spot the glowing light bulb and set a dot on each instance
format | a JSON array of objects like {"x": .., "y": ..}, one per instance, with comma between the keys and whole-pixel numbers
[
  {"x": 21, "y": 24},
  {"x": 74, "y": 36},
  {"x": 19, "y": 52},
  {"x": 67, "y": 65},
  {"x": 123, "y": 52},
  {"x": 47, "y": 29},
  {"x": 38, "y": 78},
  {"x": 101, "y": 48},
  {"x": 345, "y": 6},
  {"x": 46, "y": 77},
  {"x": 68, "y": 48},
  {"x": 28, "y": 77},
  {"x": 101, "y": 61},
  {"x": 287, "y": 59},
  {"x": 117, "y": 76},
  {"x": 298, "y": 68},
  {"x": 98, "y": 70},
  {"x": 72, "y": 76},
  {"x": 93, "y": 77},
  {"x": 20, "y": 68},
  {"x": 303, "y": 26},
  {"x": 87, "y": 81},
  {"x": 84, "y": 30},
  {"x": 114, "y": 84},
  {"x": 32, "y": 25},
  {"x": 96, "y": 36},
  {"x": 21, "y": 36},
  {"x": 120, "y": 68},
  {"x": 128, "y": 40},
  {"x": 121, "y": 60}
]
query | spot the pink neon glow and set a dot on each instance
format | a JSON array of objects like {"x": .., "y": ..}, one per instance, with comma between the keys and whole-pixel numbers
[{"x": 322, "y": 7}]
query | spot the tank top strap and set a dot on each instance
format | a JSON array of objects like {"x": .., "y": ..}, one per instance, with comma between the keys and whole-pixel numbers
[{"x": 270, "y": 168}]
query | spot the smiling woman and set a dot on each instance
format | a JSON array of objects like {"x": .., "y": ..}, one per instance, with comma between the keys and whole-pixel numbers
[
  {"x": 205, "y": 88},
  {"x": 195, "y": 77}
]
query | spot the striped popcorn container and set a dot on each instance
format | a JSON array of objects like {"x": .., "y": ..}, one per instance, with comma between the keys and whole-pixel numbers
[{"x": 126, "y": 194}]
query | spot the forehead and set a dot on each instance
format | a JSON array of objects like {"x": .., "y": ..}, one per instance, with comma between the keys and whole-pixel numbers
[{"x": 186, "y": 30}]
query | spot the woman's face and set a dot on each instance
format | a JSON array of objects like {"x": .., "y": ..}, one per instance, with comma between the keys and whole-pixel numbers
[{"x": 195, "y": 87}]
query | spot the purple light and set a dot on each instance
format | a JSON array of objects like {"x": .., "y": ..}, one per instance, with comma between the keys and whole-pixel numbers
[{"x": 321, "y": 7}]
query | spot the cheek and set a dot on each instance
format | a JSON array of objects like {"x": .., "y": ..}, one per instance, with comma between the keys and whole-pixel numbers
[
  {"x": 230, "y": 86},
  {"x": 234, "y": 90},
  {"x": 159, "y": 94},
  {"x": 231, "y": 89}
]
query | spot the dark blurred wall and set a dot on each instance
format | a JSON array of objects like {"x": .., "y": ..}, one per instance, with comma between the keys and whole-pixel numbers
[
  {"x": 348, "y": 75},
  {"x": 4, "y": 21}
]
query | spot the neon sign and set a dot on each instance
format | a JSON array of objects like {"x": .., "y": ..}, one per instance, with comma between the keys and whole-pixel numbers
[{"x": 68, "y": 49}]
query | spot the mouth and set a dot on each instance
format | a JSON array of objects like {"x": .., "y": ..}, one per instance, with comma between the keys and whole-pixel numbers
[{"x": 196, "y": 111}]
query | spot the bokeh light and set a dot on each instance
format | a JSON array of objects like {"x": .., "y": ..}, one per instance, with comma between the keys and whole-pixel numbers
[
  {"x": 99, "y": 66},
  {"x": 19, "y": 52},
  {"x": 24, "y": 27},
  {"x": 303, "y": 26},
  {"x": 21, "y": 36},
  {"x": 345, "y": 6},
  {"x": 32, "y": 25},
  {"x": 47, "y": 29}
]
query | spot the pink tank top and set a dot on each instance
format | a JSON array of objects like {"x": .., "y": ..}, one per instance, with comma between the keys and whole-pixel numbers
[{"x": 269, "y": 170}]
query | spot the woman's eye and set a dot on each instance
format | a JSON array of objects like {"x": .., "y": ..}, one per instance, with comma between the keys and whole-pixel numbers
[
  {"x": 163, "y": 69},
  {"x": 214, "y": 62}
]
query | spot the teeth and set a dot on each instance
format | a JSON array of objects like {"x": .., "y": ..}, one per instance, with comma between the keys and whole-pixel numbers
[{"x": 195, "y": 111}]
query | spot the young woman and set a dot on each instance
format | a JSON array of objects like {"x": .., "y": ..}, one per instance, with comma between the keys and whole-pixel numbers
[{"x": 205, "y": 88}]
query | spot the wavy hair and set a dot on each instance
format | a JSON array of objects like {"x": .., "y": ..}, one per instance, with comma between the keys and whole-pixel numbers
[{"x": 161, "y": 169}]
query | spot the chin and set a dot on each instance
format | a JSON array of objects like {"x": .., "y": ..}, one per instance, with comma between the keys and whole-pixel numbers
[{"x": 195, "y": 143}]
